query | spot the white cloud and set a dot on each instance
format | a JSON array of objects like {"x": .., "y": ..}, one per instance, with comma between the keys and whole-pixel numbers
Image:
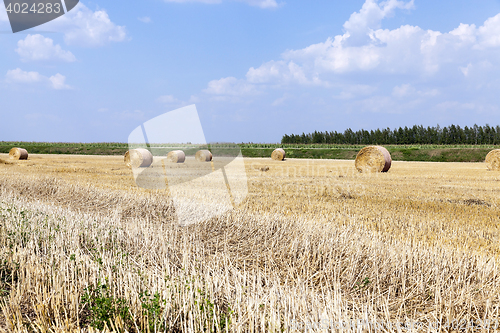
[
  {"x": 359, "y": 48},
  {"x": 230, "y": 86},
  {"x": 39, "y": 48},
  {"x": 84, "y": 27},
  {"x": 262, "y": 3},
  {"x": 257, "y": 3},
  {"x": 482, "y": 68},
  {"x": 403, "y": 90},
  {"x": 267, "y": 72},
  {"x": 167, "y": 99},
  {"x": 19, "y": 76},
  {"x": 145, "y": 19},
  {"x": 417, "y": 74},
  {"x": 58, "y": 82},
  {"x": 361, "y": 23},
  {"x": 281, "y": 72},
  {"x": 371, "y": 76},
  {"x": 465, "y": 70},
  {"x": 366, "y": 48},
  {"x": 465, "y": 33},
  {"x": 489, "y": 33}
]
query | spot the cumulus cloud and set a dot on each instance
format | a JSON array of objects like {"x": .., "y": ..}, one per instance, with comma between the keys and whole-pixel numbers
[
  {"x": 257, "y": 3},
  {"x": 477, "y": 69},
  {"x": 417, "y": 74},
  {"x": 87, "y": 28},
  {"x": 19, "y": 76},
  {"x": 489, "y": 33},
  {"x": 59, "y": 82},
  {"x": 366, "y": 48},
  {"x": 361, "y": 23},
  {"x": 281, "y": 72},
  {"x": 40, "y": 48},
  {"x": 356, "y": 48}
]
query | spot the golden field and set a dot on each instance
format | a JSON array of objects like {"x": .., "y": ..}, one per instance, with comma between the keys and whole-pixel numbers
[{"x": 315, "y": 244}]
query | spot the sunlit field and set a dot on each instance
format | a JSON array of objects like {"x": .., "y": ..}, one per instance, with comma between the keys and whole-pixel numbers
[{"x": 315, "y": 246}]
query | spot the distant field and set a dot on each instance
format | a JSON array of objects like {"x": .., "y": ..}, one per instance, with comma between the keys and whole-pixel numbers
[
  {"x": 426, "y": 153},
  {"x": 67, "y": 148}
]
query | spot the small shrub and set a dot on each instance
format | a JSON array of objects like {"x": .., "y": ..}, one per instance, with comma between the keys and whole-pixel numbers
[
  {"x": 153, "y": 307},
  {"x": 102, "y": 306}
]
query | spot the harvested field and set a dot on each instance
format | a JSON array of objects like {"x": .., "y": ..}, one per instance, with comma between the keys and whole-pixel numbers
[{"x": 314, "y": 243}]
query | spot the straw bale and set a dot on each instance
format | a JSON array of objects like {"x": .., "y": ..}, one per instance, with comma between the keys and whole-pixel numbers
[
  {"x": 138, "y": 158},
  {"x": 203, "y": 156},
  {"x": 373, "y": 159},
  {"x": 493, "y": 160},
  {"x": 176, "y": 156},
  {"x": 278, "y": 154},
  {"x": 18, "y": 154}
]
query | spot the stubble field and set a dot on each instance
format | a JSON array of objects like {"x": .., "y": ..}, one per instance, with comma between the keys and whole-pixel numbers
[{"x": 315, "y": 246}]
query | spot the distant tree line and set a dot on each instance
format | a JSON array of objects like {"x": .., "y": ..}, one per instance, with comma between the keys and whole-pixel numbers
[{"x": 453, "y": 134}]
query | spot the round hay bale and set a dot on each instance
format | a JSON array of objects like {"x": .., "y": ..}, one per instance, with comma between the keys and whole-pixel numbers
[
  {"x": 373, "y": 159},
  {"x": 278, "y": 154},
  {"x": 493, "y": 160},
  {"x": 138, "y": 158},
  {"x": 176, "y": 156},
  {"x": 18, "y": 154},
  {"x": 203, "y": 156}
]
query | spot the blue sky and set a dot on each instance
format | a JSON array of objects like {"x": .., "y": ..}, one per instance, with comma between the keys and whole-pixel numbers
[{"x": 256, "y": 69}]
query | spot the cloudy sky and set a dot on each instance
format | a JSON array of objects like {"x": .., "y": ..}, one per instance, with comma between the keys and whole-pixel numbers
[{"x": 256, "y": 69}]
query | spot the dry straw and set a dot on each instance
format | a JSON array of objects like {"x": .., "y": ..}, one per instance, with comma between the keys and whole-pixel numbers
[
  {"x": 373, "y": 159},
  {"x": 176, "y": 156},
  {"x": 493, "y": 160},
  {"x": 203, "y": 156},
  {"x": 278, "y": 154},
  {"x": 2, "y": 161},
  {"x": 138, "y": 158},
  {"x": 18, "y": 154}
]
